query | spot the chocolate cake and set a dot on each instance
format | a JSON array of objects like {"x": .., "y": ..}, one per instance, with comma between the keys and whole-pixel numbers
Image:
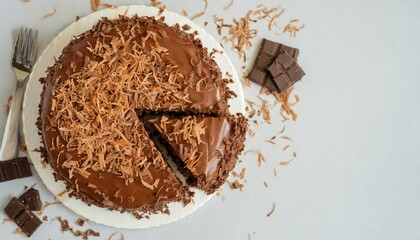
[
  {"x": 205, "y": 148},
  {"x": 92, "y": 133}
]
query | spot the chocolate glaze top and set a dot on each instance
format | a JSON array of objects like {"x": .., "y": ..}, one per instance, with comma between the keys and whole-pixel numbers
[{"x": 185, "y": 79}]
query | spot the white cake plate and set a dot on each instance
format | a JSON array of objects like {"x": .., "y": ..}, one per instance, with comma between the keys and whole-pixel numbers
[{"x": 32, "y": 99}]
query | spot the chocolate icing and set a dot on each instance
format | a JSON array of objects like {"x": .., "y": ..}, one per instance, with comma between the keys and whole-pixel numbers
[{"x": 202, "y": 91}]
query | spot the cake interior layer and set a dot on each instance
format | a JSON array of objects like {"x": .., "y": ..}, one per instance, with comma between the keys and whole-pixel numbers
[{"x": 168, "y": 153}]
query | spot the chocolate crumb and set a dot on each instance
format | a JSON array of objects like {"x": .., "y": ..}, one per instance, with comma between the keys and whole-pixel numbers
[
  {"x": 45, "y": 218},
  {"x": 80, "y": 222},
  {"x": 186, "y": 27}
]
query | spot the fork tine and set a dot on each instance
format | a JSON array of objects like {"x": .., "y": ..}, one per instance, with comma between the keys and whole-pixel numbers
[
  {"x": 18, "y": 46},
  {"x": 25, "y": 50},
  {"x": 28, "y": 47},
  {"x": 17, "y": 43},
  {"x": 34, "y": 48}
]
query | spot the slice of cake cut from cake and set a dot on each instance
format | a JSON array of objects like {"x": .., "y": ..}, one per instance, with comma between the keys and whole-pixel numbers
[{"x": 205, "y": 148}]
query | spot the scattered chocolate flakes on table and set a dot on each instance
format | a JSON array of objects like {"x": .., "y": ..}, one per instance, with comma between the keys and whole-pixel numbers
[{"x": 77, "y": 233}]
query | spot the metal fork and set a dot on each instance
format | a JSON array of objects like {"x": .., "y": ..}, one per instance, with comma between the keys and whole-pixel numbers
[{"x": 24, "y": 55}]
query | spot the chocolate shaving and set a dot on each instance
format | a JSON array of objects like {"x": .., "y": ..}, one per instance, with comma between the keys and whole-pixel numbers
[
  {"x": 236, "y": 185},
  {"x": 155, "y": 3},
  {"x": 50, "y": 14},
  {"x": 23, "y": 148},
  {"x": 47, "y": 204},
  {"x": 206, "y": 3},
  {"x": 272, "y": 210},
  {"x": 106, "y": 5},
  {"x": 293, "y": 27},
  {"x": 197, "y": 15},
  {"x": 287, "y": 138},
  {"x": 260, "y": 158},
  {"x": 94, "y": 4},
  {"x": 6, "y": 107},
  {"x": 114, "y": 234},
  {"x": 229, "y": 5},
  {"x": 19, "y": 231},
  {"x": 5, "y": 220},
  {"x": 285, "y": 163}
]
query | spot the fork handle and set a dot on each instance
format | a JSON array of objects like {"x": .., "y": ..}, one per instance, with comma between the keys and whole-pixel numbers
[{"x": 9, "y": 145}]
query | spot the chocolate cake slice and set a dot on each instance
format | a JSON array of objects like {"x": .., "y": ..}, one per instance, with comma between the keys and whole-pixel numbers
[{"x": 205, "y": 148}]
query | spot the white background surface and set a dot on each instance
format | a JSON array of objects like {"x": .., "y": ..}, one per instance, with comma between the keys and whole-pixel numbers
[{"x": 357, "y": 171}]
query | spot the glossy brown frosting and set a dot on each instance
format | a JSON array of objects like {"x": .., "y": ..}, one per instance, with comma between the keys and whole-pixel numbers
[
  {"x": 207, "y": 146},
  {"x": 198, "y": 87}
]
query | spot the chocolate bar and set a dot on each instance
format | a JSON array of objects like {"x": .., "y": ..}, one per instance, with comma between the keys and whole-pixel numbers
[
  {"x": 31, "y": 199},
  {"x": 14, "y": 169},
  {"x": 268, "y": 52},
  {"x": 22, "y": 216},
  {"x": 285, "y": 71}
]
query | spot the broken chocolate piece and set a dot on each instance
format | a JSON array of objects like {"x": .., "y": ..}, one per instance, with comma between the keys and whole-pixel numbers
[
  {"x": 285, "y": 71},
  {"x": 31, "y": 199},
  {"x": 14, "y": 169},
  {"x": 28, "y": 222},
  {"x": 13, "y": 208},
  {"x": 268, "y": 52},
  {"x": 22, "y": 216}
]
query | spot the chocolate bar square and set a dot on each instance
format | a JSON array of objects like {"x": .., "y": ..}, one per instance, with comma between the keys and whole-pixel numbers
[
  {"x": 13, "y": 208},
  {"x": 268, "y": 52},
  {"x": 285, "y": 71},
  {"x": 14, "y": 169}
]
